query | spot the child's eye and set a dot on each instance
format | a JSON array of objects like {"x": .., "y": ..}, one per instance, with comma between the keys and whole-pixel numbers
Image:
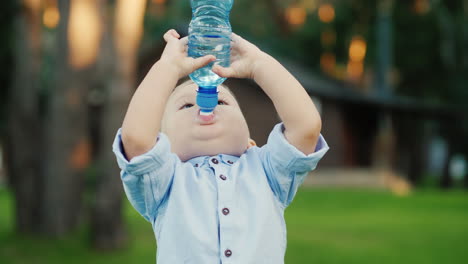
[
  {"x": 185, "y": 106},
  {"x": 221, "y": 102}
]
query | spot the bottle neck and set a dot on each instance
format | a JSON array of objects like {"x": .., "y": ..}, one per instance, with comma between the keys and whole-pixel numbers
[
  {"x": 207, "y": 89},
  {"x": 207, "y": 99}
]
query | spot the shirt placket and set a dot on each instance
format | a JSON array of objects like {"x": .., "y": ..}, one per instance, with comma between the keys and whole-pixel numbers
[{"x": 226, "y": 211}]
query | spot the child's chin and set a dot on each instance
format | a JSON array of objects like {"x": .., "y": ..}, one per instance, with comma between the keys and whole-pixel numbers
[{"x": 208, "y": 133}]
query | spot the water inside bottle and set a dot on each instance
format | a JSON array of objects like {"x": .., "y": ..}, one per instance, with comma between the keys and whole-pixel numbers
[{"x": 205, "y": 44}]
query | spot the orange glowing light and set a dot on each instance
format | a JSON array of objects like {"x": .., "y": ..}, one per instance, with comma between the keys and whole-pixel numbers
[
  {"x": 51, "y": 17},
  {"x": 129, "y": 25},
  {"x": 328, "y": 62},
  {"x": 80, "y": 157},
  {"x": 159, "y": 2},
  {"x": 326, "y": 13},
  {"x": 84, "y": 33},
  {"x": 422, "y": 6},
  {"x": 355, "y": 69},
  {"x": 357, "y": 49},
  {"x": 296, "y": 15}
]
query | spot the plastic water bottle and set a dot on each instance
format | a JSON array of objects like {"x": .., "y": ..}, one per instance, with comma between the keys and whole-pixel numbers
[{"x": 209, "y": 34}]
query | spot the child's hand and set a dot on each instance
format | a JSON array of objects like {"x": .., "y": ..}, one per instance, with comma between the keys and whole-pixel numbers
[
  {"x": 245, "y": 59},
  {"x": 175, "y": 55}
]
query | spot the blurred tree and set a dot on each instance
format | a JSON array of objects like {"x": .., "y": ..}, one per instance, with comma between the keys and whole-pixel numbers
[
  {"x": 116, "y": 81},
  {"x": 24, "y": 135},
  {"x": 107, "y": 102},
  {"x": 48, "y": 146},
  {"x": 7, "y": 15},
  {"x": 66, "y": 140}
]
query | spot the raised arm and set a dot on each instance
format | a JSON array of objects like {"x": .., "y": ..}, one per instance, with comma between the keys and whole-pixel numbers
[
  {"x": 143, "y": 118},
  {"x": 297, "y": 111}
]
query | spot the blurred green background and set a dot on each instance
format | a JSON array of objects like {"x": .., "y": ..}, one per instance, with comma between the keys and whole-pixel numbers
[
  {"x": 324, "y": 226},
  {"x": 390, "y": 79}
]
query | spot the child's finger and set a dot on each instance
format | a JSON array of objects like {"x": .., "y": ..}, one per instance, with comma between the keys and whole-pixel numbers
[
  {"x": 224, "y": 72},
  {"x": 184, "y": 42},
  {"x": 174, "y": 33},
  {"x": 235, "y": 37},
  {"x": 167, "y": 37},
  {"x": 170, "y": 35},
  {"x": 202, "y": 61}
]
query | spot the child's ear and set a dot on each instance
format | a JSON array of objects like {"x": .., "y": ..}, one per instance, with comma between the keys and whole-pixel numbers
[{"x": 251, "y": 143}]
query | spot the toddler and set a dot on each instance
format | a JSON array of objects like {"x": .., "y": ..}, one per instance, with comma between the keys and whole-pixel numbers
[{"x": 211, "y": 195}]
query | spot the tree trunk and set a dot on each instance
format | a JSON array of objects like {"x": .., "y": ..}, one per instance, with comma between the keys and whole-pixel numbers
[
  {"x": 66, "y": 140},
  {"x": 24, "y": 137},
  {"x": 115, "y": 82},
  {"x": 107, "y": 229}
]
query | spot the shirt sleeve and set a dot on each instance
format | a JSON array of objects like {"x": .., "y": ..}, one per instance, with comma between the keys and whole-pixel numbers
[
  {"x": 147, "y": 178},
  {"x": 285, "y": 166}
]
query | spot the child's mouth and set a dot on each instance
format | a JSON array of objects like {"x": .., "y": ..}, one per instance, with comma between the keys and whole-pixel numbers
[{"x": 206, "y": 119}]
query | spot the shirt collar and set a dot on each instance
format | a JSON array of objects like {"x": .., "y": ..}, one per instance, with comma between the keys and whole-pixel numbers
[
  {"x": 198, "y": 160},
  {"x": 225, "y": 158}
]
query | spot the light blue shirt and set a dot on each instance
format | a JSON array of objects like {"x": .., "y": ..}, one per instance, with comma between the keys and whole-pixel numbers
[{"x": 219, "y": 209}]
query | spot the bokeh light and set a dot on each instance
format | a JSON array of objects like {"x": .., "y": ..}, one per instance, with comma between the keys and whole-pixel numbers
[
  {"x": 422, "y": 6},
  {"x": 129, "y": 25},
  {"x": 354, "y": 70},
  {"x": 51, "y": 17},
  {"x": 296, "y": 15},
  {"x": 357, "y": 49},
  {"x": 326, "y": 13},
  {"x": 84, "y": 33}
]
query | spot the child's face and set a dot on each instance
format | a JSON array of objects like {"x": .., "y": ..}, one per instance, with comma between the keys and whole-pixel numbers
[{"x": 191, "y": 136}]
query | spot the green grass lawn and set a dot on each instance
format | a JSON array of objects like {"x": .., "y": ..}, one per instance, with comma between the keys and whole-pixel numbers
[{"x": 324, "y": 226}]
